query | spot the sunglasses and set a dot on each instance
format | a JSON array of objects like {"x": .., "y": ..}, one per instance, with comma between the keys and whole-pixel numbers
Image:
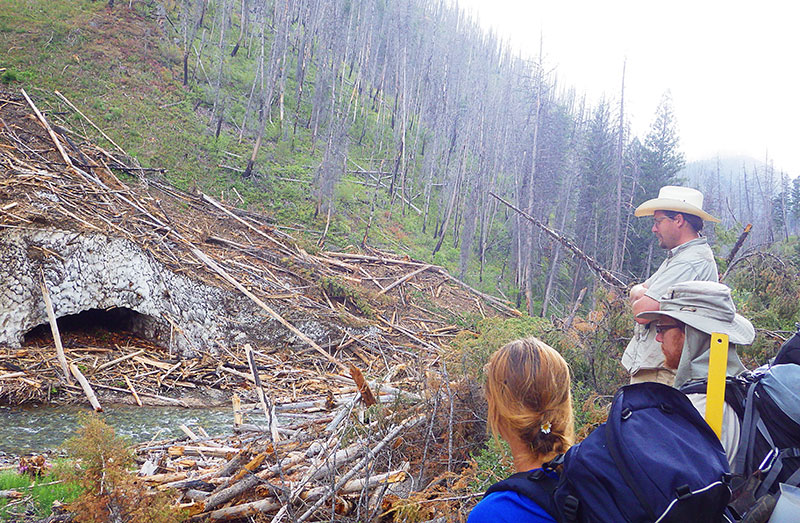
[
  {"x": 661, "y": 329},
  {"x": 657, "y": 221}
]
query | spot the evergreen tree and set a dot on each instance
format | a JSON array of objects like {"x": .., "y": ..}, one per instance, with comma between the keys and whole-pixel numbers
[
  {"x": 658, "y": 161},
  {"x": 661, "y": 158}
]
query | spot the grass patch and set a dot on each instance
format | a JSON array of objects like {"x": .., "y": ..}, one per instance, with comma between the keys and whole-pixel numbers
[{"x": 43, "y": 491}]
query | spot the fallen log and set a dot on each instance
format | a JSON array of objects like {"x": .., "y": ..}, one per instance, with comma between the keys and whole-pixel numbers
[
  {"x": 230, "y": 279},
  {"x": 133, "y": 391},
  {"x": 51, "y": 317},
  {"x": 593, "y": 264},
  {"x": 87, "y": 389}
]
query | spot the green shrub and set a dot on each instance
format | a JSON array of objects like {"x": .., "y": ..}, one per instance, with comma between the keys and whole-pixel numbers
[{"x": 103, "y": 460}]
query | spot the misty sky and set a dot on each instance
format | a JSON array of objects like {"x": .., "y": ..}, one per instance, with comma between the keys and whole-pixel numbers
[{"x": 732, "y": 67}]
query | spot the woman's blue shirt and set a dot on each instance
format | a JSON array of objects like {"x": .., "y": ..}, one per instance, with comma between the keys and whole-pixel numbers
[{"x": 508, "y": 507}]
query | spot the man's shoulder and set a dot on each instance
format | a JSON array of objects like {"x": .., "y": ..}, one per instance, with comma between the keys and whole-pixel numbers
[{"x": 697, "y": 248}]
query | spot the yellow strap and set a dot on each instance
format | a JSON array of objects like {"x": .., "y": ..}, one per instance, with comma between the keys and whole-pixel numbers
[{"x": 715, "y": 393}]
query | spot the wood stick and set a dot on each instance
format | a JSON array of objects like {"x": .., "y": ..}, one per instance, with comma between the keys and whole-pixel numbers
[
  {"x": 10, "y": 494},
  {"x": 373, "y": 258},
  {"x": 11, "y": 375},
  {"x": 121, "y": 358},
  {"x": 404, "y": 279},
  {"x": 87, "y": 389},
  {"x": 357, "y": 485},
  {"x": 133, "y": 391},
  {"x": 735, "y": 249},
  {"x": 186, "y": 430},
  {"x": 167, "y": 477},
  {"x": 239, "y": 511},
  {"x": 171, "y": 401},
  {"x": 261, "y": 233},
  {"x": 50, "y": 131},
  {"x": 51, "y": 317},
  {"x": 152, "y": 363},
  {"x": 230, "y": 279},
  {"x": 578, "y": 301},
  {"x": 185, "y": 450},
  {"x": 120, "y": 149},
  {"x": 242, "y": 481},
  {"x": 238, "y": 419},
  {"x": 271, "y": 421}
]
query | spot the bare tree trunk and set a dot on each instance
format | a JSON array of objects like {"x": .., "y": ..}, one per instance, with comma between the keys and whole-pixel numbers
[
  {"x": 242, "y": 28},
  {"x": 616, "y": 260},
  {"x": 281, "y": 16},
  {"x": 218, "y": 86},
  {"x": 649, "y": 263},
  {"x": 451, "y": 205},
  {"x": 554, "y": 265},
  {"x": 190, "y": 28},
  {"x": 259, "y": 76}
]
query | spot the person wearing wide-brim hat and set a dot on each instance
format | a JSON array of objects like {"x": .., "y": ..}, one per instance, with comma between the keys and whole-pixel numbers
[
  {"x": 688, "y": 314},
  {"x": 678, "y": 218}
]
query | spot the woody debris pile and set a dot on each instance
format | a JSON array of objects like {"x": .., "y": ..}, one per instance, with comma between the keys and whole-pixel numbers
[{"x": 135, "y": 291}]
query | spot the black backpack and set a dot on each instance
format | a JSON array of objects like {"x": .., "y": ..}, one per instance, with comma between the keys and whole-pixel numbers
[
  {"x": 655, "y": 459},
  {"x": 767, "y": 402}
]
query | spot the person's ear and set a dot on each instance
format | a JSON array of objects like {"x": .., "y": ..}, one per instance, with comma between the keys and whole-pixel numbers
[{"x": 679, "y": 220}]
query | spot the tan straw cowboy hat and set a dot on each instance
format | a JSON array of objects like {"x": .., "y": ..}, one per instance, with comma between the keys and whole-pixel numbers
[{"x": 678, "y": 199}]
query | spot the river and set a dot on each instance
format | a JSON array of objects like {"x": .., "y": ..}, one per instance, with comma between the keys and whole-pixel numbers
[{"x": 37, "y": 429}]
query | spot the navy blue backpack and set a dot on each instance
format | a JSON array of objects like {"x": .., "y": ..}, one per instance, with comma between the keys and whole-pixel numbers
[{"x": 655, "y": 459}]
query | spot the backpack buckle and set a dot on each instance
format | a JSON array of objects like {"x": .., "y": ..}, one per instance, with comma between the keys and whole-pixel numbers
[
  {"x": 536, "y": 475},
  {"x": 683, "y": 492},
  {"x": 571, "y": 504}
]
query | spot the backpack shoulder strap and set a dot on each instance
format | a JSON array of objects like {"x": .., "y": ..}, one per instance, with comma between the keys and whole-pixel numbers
[
  {"x": 744, "y": 455},
  {"x": 735, "y": 392},
  {"x": 535, "y": 485}
]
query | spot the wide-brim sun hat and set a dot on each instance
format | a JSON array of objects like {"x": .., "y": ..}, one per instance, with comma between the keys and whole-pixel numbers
[
  {"x": 708, "y": 307},
  {"x": 678, "y": 199}
]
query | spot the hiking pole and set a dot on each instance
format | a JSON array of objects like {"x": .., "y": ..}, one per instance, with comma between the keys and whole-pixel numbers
[{"x": 715, "y": 391}]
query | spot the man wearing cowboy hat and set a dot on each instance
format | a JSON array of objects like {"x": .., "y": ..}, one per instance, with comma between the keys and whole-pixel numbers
[
  {"x": 677, "y": 221},
  {"x": 688, "y": 314}
]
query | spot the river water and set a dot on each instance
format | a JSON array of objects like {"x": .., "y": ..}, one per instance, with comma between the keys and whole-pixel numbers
[{"x": 37, "y": 429}]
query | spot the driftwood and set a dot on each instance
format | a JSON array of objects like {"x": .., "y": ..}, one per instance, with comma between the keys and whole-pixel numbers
[
  {"x": 361, "y": 464},
  {"x": 133, "y": 391},
  {"x": 87, "y": 389}
]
